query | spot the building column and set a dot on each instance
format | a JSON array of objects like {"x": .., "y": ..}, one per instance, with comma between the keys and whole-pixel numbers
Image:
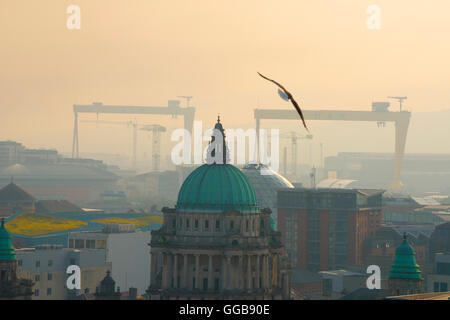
[
  {"x": 249, "y": 272},
  {"x": 153, "y": 270},
  {"x": 185, "y": 265},
  {"x": 258, "y": 274},
  {"x": 224, "y": 272},
  {"x": 165, "y": 271},
  {"x": 240, "y": 274},
  {"x": 210, "y": 272},
  {"x": 228, "y": 278},
  {"x": 175, "y": 271},
  {"x": 197, "y": 271},
  {"x": 265, "y": 278}
]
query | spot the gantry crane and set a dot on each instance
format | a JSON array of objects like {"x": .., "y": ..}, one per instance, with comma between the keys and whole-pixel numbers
[
  {"x": 173, "y": 108},
  {"x": 400, "y": 100},
  {"x": 401, "y": 120}
]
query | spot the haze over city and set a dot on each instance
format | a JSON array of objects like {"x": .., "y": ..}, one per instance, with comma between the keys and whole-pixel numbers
[
  {"x": 151, "y": 52},
  {"x": 114, "y": 187}
]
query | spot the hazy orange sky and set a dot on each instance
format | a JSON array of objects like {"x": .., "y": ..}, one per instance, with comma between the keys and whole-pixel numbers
[{"x": 145, "y": 52}]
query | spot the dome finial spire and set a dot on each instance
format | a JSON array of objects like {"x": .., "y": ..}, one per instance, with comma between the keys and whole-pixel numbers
[
  {"x": 218, "y": 118},
  {"x": 404, "y": 236}
]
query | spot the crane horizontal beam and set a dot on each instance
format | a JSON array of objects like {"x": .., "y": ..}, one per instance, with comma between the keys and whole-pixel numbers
[
  {"x": 400, "y": 118},
  {"x": 100, "y": 108},
  {"x": 334, "y": 115}
]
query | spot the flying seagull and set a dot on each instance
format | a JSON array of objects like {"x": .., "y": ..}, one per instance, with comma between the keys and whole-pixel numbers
[{"x": 286, "y": 95}]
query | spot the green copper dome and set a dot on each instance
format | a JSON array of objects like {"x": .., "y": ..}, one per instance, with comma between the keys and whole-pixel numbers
[
  {"x": 217, "y": 187},
  {"x": 405, "y": 265},
  {"x": 7, "y": 252}
]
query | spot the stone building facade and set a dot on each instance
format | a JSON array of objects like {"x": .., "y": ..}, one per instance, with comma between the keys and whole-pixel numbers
[{"x": 216, "y": 243}]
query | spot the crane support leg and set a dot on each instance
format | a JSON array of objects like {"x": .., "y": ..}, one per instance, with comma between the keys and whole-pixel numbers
[
  {"x": 75, "y": 137},
  {"x": 401, "y": 131}
]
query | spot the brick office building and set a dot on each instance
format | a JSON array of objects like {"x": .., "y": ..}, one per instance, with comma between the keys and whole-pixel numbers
[{"x": 324, "y": 229}]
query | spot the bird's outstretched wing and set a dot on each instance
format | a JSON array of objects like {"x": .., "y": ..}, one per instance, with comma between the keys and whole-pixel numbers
[
  {"x": 299, "y": 112},
  {"x": 290, "y": 97}
]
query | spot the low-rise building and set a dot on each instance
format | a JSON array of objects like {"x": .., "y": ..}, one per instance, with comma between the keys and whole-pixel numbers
[
  {"x": 338, "y": 283},
  {"x": 46, "y": 266},
  {"x": 126, "y": 249}
]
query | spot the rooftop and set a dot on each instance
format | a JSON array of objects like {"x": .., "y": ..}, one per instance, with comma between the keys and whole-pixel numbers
[{"x": 13, "y": 192}]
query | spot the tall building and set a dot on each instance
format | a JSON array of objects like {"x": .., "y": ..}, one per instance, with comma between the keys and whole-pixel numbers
[
  {"x": 11, "y": 286},
  {"x": 405, "y": 276},
  {"x": 217, "y": 243},
  {"x": 324, "y": 229}
]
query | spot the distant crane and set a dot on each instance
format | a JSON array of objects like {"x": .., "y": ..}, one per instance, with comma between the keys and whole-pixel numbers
[
  {"x": 132, "y": 124},
  {"x": 312, "y": 176},
  {"x": 400, "y": 100},
  {"x": 173, "y": 108},
  {"x": 293, "y": 136},
  {"x": 156, "y": 130},
  {"x": 188, "y": 99}
]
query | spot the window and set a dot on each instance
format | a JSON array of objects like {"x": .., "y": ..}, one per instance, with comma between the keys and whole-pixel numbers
[
  {"x": 231, "y": 224},
  {"x": 19, "y": 263},
  {"x": 246, "y": 225},
  {"x": 196, "y": 224},
  {"x": 174, "y": 223},
  {"x": 36, "y": 292},
  {"x": 50, "y": 263},
  {"x": 187, "y": 223},
  {"x": 436, "y": 286},
  {"x": 71, "y": 245},
  {"x": 90, "y": 244},
  {"x": 49, "y": 291},
  {"x": 38, "y": 264},
  {"x": 443, "y": 287},
  {"x": 37, "y": 277},
  {"x": 217, "y": 224},
  {"x": 101, "y": 244},
  {"x": 216, "y": 284},
  {"x": 49, "y": 277},
  {"x": 79, "y": 243},
  {"x": 206, "y": 224},
  {"x": 72, "y": 261}
]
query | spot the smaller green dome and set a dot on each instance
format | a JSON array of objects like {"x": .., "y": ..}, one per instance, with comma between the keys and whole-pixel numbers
[
  {"x": 7, "y": 252},
  {"x": 405, "y": 265}
]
